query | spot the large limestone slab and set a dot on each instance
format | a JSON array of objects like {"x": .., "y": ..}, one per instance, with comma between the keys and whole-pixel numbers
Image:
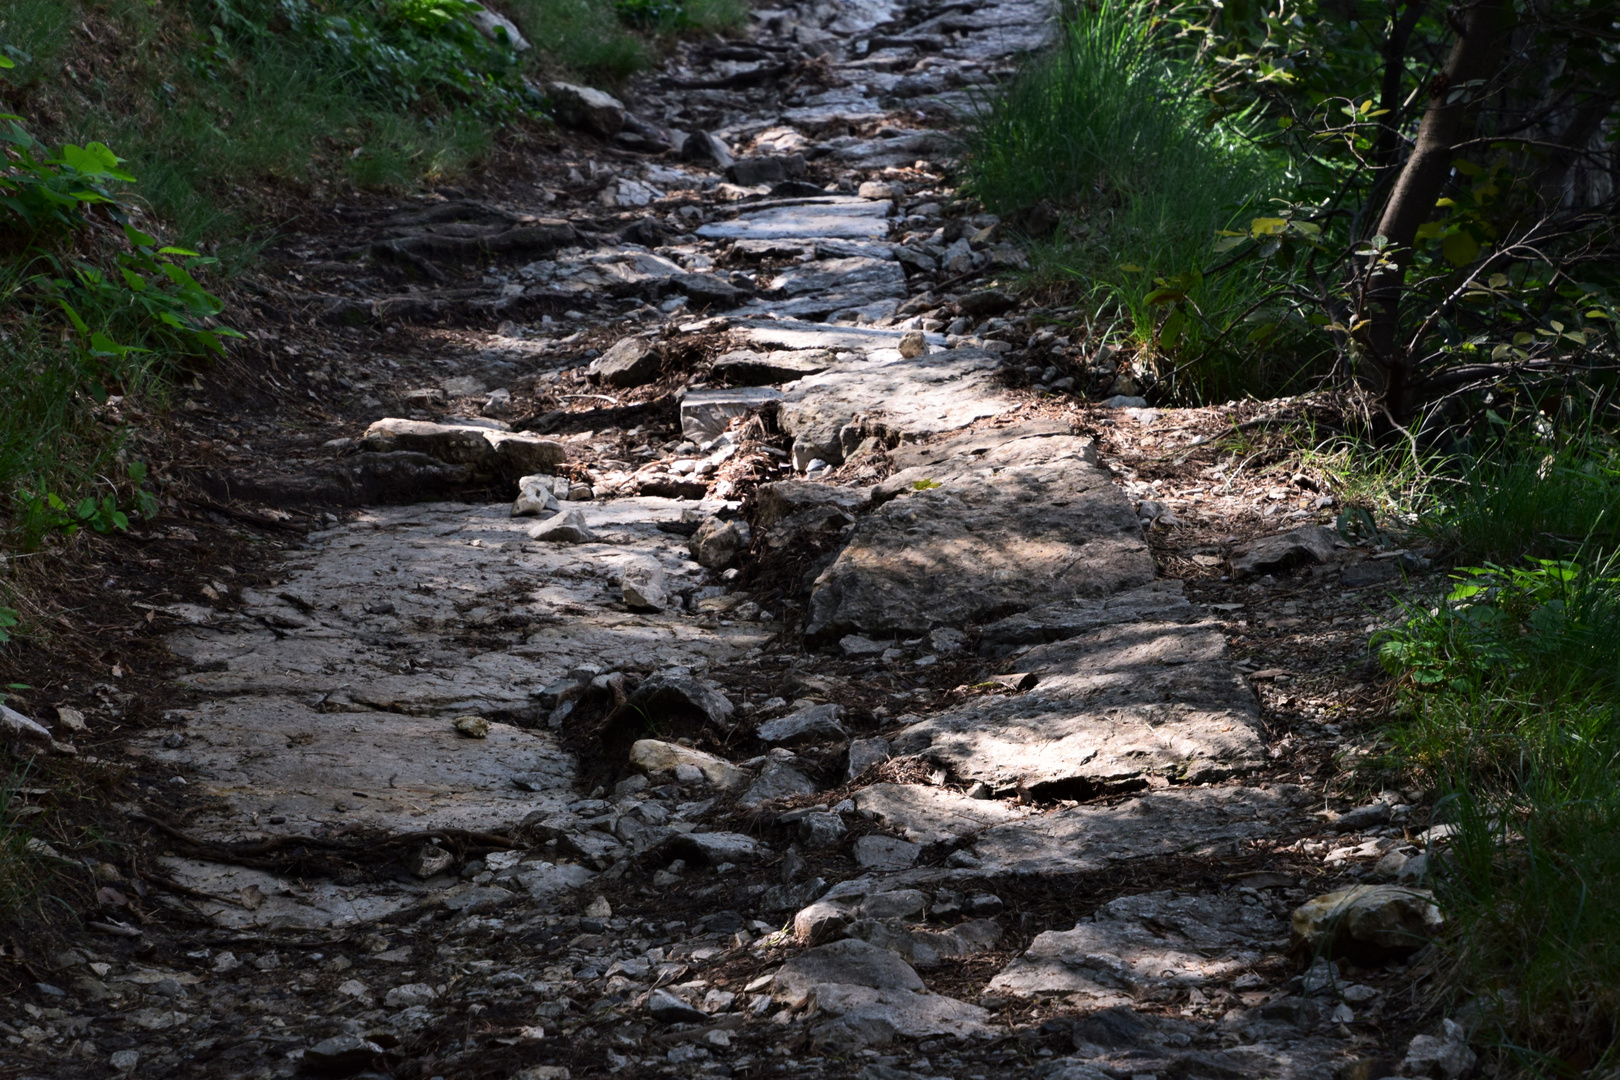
[
  {"x": 339, "y": 687},
  {"x": 1137, "y": 946},
  {"x": 480, "y": 445},
  {"x": 285, "y": 759},
  {"x": 876, "y": 277},
  {"x": 931, "y": 815},
  {"x": 1202, "y": 821},
  {"x": 1025, "y": 523},
  {"x": 917, "y": 396},
  {"x": 873, "y": 342},
  {"x": 861, "y": 982},
  {"x": 830, "y": 218},
  {"x": 1112, "y": 707},
  {"x": 1158, "y": 601}
]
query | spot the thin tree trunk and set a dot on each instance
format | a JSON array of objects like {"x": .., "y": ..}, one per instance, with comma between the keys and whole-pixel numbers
[
  {"x": 1482, "y": 32},
  {"x": 1387, "y": 147}
]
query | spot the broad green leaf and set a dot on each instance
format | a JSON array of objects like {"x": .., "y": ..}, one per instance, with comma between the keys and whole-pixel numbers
[
  {"x": 1268, "y": 226},
  {"x": 94, "y": 159},
  {"x": 1459, "y": 248}
]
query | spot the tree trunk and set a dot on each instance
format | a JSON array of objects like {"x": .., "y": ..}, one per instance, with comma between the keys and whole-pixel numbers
[
  {"x": 1387, "y": 147},
  {"x": 1482, "y": 32}
]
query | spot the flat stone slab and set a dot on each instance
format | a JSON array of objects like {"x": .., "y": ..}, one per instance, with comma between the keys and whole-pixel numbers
[
  {"x": 618, "y": 272},
  {"x": 989, "y": 535},
  {"x": 859, "y": 981},
  {"x": 1188, "y": 821},
  {"x": 745, "y": 367},
  {"x": 931, "y": 815},
  {"x": 477, "y": 444},
  {"x": 284, "y": 903},
  {"x": 1113, "y": 706},
  {"x": 1137, "y": 945},
  {"x": 919, "y": 396},
  {"x": 347, "y": 676},
  {"x": 1158, "y": 601},
  {"x": 859, "y": 277},
  {"x": 876, "y": 343},
  {"x": 833, "y": 218}
]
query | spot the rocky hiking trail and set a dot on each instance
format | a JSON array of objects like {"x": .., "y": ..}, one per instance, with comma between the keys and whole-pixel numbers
[{"x": 728, "y": 647}]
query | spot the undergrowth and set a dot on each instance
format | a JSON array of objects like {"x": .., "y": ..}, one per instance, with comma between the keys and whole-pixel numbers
[
  {"x": 1510, "y": 682},
  {"x": 1098, "y": 150}
]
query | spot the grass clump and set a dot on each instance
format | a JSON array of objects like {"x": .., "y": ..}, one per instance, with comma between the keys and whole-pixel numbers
[
  {"x": 1512, "y": 689},
  {"x": 1099, "y": 145},
  {"x": 1528, "y": 498}
]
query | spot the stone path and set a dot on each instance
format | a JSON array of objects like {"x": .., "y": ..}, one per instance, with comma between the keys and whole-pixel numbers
[{"x": 846, "y": 730}]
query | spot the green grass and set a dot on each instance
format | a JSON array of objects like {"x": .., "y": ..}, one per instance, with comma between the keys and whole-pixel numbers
[
  {"x": 1511, "y": 685},
  {"x": 1529, "y": 497},
  {"x": 1106, "y": 131}
]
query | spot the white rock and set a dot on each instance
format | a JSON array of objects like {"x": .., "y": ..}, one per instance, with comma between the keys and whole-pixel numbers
[
  {"x": 587, "y": 108},
  {"x": 643, "y": 586},
  {"x": 535, "y": 496},
  {"x": 567, "y": 527}
]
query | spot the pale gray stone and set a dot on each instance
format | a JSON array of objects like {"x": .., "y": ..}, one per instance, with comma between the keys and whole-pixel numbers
[
  {"x": 644, "y": 587},
  {"x": 813, "y": 724},
  {"x": 535, "y": 496},
  {"x": 1138, "y": 945},
  {"x": 567, "y": 527},
  {"x": 864, "y": 754},
  {"x": 1270, "y": 554},
  {"x": 884, "y": 852},
  {"x": 1195, "y": 821},
  {"x": 586, "y": 108},
  {"x": 657, "y": 756},
  {"x": 779, "y": 779},
  {"x": 717, "y": 543},
  {"x": 979, "y": 534},
  {"x": 1123, "y": 702},
  {"x": 931, "y": 815},
  {"x": 632, "y": 361},
  {"x": 706, "y": 414},
  {"x": 675, "y": 689},
  {"x": 833, "y": 217}
]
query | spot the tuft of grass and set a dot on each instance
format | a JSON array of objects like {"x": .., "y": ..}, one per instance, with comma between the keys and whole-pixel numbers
[{"x": 1103, "y": 132}]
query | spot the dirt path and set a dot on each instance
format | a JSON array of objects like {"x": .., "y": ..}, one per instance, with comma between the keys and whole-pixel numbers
[{"x": 818, "y": 709}]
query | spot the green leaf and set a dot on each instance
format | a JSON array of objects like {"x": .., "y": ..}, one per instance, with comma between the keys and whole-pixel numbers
[
  {"x": 1268, "y": 226},
  {"x": 1459, "y": 248},
  {"x": 138, "y": 238},
  {"x": 94, "y": 159},
  {"x": 925, "y": 485}
]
